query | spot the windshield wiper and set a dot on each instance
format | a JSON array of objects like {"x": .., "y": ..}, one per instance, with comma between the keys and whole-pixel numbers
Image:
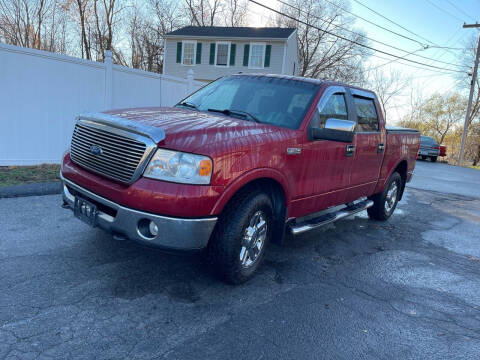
[
  {"x": 188, "y": 104},
  {"x": 240, "y": 113}
]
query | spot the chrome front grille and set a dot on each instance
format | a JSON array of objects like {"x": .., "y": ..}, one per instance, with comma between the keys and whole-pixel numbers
[{"x": 113, "y": 154}]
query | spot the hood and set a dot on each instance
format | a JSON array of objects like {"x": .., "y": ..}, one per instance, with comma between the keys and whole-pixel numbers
[{"x": 190, "y": 131}]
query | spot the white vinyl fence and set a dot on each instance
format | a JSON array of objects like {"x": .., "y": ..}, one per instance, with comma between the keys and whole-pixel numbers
[{"x": 41, "y": 93}]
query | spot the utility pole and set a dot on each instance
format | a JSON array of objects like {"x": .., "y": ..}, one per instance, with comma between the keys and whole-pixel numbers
[{"x": 470, "y": 98}]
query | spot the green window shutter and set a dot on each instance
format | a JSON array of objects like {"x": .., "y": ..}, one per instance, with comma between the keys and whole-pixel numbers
[
  {"x": 233, "y": 49},
  {"x": 199, "y": 53},
  {"x": 268, "y": 51},
  {"x": 179, "y": 52},
  {"x": 246, "y": 51},
  {"x": 212, "y": 53}
]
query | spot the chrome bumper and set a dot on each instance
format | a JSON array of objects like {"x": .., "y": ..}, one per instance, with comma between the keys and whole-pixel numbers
[{"x": 173, "y": 233}]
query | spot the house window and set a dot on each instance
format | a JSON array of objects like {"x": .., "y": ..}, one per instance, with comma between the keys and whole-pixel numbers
[
  {"x": 257, "y": 55},
  {"x": 188, "y": 56},
  {"x": 223, "y": 50}
]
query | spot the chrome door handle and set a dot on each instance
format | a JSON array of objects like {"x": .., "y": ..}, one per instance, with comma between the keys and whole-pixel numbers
[
  {"x": 349, "y": 150},
  {"x": 380, "y": 148}
]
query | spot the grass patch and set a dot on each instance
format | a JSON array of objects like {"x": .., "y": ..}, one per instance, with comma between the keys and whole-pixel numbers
[
  {"x": 15, "y": 175},
  {"x": 475, "y": 167}
]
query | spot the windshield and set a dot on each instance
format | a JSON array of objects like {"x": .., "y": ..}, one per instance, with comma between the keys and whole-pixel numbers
[
  {"x": 268, "y": 100},
  {"x": 427, "y": 140}
]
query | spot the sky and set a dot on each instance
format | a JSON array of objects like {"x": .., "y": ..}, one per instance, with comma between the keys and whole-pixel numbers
[{"x": 438, "y": 21}]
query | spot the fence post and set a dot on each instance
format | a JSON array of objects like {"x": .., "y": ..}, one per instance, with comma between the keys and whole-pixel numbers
[
  {"x": 189, "y": 81},
  {"x": 108, "y": 103}
]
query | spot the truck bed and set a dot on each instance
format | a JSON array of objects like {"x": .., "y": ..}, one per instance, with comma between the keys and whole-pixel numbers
[{"x": 402, "y": 143}]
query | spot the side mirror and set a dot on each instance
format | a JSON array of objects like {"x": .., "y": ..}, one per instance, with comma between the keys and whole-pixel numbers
[{"x": 335, "y": 130}]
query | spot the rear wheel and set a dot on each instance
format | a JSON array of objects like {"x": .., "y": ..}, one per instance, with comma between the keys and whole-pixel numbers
[
  {"x": 433, "y": 158},
  {"x": 424, "y": 157},
  {"x": 238, "y": 244},
  {"x": 384, "y": 204}
]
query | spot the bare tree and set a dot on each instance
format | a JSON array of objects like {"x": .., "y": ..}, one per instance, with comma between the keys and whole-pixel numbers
[
  {"x": 104, "y": 17},
  {"x": 146, "y": 31},
  {"x": 236, "y": 12},
  {"x": 204, "y": 12},
  {"x": 387, "y": 84},
  {"x": 323, "y": 55},
  {"x": 84, "y": 41},
  {"x": 443, "y": 113},
  {"x": 438, "y": 116},
  {"x": 466, "y": 78},
  {"x": 37, "y": 24}
]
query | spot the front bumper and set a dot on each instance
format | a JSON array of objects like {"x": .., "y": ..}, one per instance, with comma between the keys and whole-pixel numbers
[{"x": 174, "y": 233}]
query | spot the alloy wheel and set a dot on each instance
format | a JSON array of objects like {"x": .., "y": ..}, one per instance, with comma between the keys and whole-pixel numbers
[{"x": 254, "y": 239}]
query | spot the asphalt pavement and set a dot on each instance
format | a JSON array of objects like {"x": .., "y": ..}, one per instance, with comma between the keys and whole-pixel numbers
[
  {"x": 408, "y": 288},
  {"x": 446, "y": 178}
]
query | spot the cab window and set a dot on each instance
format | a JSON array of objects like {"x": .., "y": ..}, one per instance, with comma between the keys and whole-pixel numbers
[
  {"x": 335, "y": 107},
  {"x": 366, "y": 114}
]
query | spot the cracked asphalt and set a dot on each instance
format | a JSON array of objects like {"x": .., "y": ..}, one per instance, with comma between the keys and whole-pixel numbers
[{"x": 408, "y": 288}]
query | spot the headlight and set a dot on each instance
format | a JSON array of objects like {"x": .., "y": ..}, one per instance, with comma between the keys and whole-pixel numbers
[{"x": 179, "y": 167}]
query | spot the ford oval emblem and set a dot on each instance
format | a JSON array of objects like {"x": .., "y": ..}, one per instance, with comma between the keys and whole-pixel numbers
[{"x": 96, "y": 150}]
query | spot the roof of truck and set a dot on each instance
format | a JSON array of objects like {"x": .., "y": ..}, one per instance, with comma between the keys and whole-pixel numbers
[
  {"x": 286, "y": 77},
  {"x": 305, "y": 79}
]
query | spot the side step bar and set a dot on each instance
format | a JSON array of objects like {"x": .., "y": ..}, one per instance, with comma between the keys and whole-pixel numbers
[{"x": 330, "y": 217}]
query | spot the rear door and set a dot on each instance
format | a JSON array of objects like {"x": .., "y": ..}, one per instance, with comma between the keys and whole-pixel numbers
[{"x": 370, "y": 144}]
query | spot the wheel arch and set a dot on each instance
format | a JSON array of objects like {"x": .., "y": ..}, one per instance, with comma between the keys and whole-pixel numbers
[
  {"x": 401, "y": 168},
  {"x": 269, "y": 182}
]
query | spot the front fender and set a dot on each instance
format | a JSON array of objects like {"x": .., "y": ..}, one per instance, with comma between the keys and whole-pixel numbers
[{"x": 247, "y": 178}]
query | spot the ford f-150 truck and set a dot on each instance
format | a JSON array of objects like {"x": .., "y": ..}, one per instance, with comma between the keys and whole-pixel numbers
[{"x": 240, "y": 163}]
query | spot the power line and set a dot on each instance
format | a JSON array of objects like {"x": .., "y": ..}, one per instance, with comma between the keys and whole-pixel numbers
[
  {"x": 394, "y": 60},
  {"x": 460, "y": 9},
  {"x": 374, "y": 40},
  {"x": 451, "y": 48},
  {"x": 439, "y": 53},
  {"x": 393, "y": 22},
  {"x": 352, "y": 41},
  {"x": 430, "y": 75},
  {"x": 374, "y": 24},
  {"x": 443, "y": 10},
  {"x": 413, "y": 66}
]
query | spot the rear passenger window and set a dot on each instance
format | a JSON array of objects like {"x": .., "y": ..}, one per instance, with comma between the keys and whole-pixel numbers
[
  {"x": 367, "y": 114},
  {"x": 335, "y": 107}
]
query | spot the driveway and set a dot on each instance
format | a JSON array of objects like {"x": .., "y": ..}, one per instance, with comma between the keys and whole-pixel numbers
[
  {"x": 446, "y": 178},
  {"x": 408, "y": 288}
]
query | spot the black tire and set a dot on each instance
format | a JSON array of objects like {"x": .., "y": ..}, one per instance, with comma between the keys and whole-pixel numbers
[
  {"x": 381, "y": 209},
  {"x": 433, "y": 158},
  {"x": 227, "y": 243},
  {"x": 424, "y": 157}
]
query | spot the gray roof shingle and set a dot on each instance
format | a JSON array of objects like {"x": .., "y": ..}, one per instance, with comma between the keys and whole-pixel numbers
[{"x": 234, "y": 32}]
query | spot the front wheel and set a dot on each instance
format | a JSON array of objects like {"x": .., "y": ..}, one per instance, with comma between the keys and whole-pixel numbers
[
  {"x": 433, "y": 158},
  {"x": 238, "y": 244},
  {"x": 384, "y": 204}
]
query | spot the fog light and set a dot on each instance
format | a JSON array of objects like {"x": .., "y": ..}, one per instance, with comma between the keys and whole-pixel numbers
[
  {"x": 153, "y": 228},
  {"x": 147, "y": 229}
]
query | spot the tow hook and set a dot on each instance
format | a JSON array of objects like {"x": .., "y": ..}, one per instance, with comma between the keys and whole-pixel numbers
[{"x": 118, "y": 237}]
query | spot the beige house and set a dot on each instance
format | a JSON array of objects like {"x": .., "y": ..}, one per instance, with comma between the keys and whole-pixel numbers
[{"x": 212, "y": 52}]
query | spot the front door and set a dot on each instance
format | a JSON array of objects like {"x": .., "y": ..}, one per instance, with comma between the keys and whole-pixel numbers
[{"x": 327, "y": 164}]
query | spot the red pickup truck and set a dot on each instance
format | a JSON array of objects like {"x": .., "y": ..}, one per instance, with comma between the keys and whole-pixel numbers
[{"x": 241, "y": 162}]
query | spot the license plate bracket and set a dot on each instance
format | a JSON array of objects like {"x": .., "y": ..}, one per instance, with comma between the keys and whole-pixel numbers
[{"x": 85, "y": 211}]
